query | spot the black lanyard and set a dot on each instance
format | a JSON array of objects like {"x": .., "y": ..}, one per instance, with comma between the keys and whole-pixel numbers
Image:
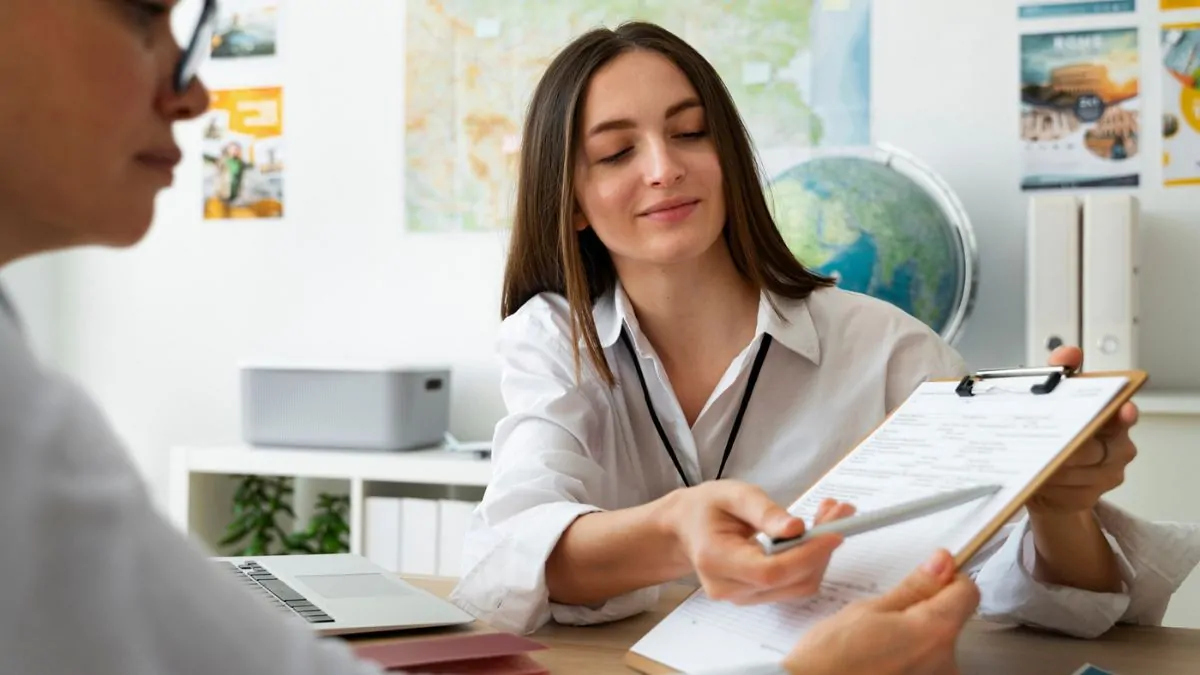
[{"x": 737, "y": 421}]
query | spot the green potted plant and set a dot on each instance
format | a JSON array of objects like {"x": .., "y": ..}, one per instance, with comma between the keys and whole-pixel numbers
[
  {"x": 259, "y": 505},
  {"x": 328, "y": 530}
]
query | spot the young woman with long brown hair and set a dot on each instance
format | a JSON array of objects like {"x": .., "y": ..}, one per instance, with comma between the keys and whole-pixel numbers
[{"x": 673, "y": 376}]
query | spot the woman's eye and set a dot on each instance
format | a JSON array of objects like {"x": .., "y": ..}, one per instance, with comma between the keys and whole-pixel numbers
[
  {"x": 147, "y": 12},
  {"x": 616, "y": 157},
  {"x": 612, "y": 159}
]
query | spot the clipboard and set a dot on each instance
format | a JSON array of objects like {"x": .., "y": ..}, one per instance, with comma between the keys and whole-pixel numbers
[
  {"x": 1135, "y": 379},
  {"x": 1048, "y": 380}
]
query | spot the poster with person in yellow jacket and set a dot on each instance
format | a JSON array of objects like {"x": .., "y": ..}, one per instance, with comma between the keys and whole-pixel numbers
[
  {"x": 243, "y": 154},
  {"x": 1181, "y": 104}
]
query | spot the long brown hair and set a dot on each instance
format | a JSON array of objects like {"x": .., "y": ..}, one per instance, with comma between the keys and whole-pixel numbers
[{"x": 547, "y": 253}]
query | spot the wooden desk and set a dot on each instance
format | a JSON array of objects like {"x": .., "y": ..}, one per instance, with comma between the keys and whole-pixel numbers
[{"x": 985, "y": 649}]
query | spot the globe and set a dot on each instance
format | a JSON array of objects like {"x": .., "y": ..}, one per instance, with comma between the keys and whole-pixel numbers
[{"x": 884, "y": 225}]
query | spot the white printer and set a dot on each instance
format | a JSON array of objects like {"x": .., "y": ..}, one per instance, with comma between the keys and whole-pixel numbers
[{"x": 387, "y": 408}]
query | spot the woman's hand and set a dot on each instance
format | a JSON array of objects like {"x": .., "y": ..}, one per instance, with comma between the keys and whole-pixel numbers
[
  {"x": 1097, "y": 467},
  {"x": 912, "y": 630},
  {"x": 714, "y": 524},
  {"x": 1071, "y": 548}
]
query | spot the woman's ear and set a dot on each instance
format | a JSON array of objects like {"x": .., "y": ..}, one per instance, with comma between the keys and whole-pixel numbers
[{"x": 581, "y": 222}]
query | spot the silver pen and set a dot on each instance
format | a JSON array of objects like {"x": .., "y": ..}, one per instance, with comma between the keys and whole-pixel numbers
[{"x": 874, "y": 520}]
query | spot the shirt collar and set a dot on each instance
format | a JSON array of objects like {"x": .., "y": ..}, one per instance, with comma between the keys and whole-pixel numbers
[
  {"x": 794, "y": 329},
  {"x": 792, "y": 326},
  {"x": 7, "y": 310},
  {"x": 612, "y": 311}
]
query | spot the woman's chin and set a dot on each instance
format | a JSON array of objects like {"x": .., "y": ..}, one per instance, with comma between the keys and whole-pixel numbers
[
  {"x": 670, "y": 257},
  {"x": 124, "y": 231},
  {"x": 685, "y": 247}
]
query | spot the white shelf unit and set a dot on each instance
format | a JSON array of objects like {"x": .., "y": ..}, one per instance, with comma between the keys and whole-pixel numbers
[
  {"x": 1170, "y": 402},
  {"x": 201, "y": 485}
]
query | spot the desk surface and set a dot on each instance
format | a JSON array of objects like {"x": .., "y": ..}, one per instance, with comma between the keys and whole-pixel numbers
[{"x": 985, "y": 649}]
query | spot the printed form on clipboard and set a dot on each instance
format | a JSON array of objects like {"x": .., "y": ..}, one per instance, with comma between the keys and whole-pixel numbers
[{"x": 1008, "y": 427}]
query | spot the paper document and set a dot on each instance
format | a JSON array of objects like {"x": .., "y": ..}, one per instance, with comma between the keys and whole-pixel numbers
[{"x": 935, "y": 441}]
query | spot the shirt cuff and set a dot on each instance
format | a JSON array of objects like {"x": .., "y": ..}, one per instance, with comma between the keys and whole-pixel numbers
[
  {"x": 506, "y": 587},
  {"x": 1153, "y": 558},
  {"x": 1161, "y": 556}
]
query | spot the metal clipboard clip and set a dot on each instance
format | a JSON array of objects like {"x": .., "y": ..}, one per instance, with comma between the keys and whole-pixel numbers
[{"x": 1053, "y": 375}]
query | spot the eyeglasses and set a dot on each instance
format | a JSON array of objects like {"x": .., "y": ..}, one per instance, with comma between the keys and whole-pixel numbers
[{"x": 197, "y": 48}]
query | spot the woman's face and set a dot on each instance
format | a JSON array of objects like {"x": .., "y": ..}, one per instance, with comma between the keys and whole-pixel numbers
[
  {"x": 647, "y": 178},
  {"x": 86, "y": 114}
]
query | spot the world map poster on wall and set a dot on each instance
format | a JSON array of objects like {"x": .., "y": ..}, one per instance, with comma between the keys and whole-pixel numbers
[{"x": 799, "y": 72}]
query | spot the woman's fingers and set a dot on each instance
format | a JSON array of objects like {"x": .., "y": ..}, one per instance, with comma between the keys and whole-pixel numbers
[
  {"x": 733, "y": 566},
  {"x": 803, "y": 586},
  {"x": 751, "y": 505},
  {"x": 744, "y": 571},
  {"x": 836, "y": 511}
]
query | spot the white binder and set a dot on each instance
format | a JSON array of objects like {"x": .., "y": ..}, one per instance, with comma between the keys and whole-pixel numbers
[
  {"x": 1110, "y": 281},
  {"x": 1053, "y": 283}
]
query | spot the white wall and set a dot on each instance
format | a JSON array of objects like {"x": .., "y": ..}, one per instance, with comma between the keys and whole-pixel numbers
[
  {"x": 157, "y": 332},
  {"x": 946, "y": 79}
]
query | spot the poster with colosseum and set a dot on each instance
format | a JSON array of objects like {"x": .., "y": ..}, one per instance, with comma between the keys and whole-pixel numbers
[{"x": 1080, "y": 109}]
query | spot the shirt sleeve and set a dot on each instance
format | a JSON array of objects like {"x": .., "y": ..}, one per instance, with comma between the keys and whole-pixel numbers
[
  {"x": 918, "y": 354},
  {"x": 1154, "y": 560},
  {"x": 95, "y": 580},
  {"x": 543, "y": 478}
]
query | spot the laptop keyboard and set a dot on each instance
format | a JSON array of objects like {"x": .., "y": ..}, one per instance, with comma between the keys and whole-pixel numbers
[{"x": 283, "y": 597}]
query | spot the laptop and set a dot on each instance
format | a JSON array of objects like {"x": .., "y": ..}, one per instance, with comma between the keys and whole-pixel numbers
[{"x": 341, "y": 594}]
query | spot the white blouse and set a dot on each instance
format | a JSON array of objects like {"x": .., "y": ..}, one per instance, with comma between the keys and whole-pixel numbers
[
  {"x": 838, "y": 364},
  {"x": 95, "y": 580}
]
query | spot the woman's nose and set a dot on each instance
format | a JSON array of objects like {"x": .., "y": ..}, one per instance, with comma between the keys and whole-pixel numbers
[
  {"x": 663, "y": 167},
  {"x": 192, "y": 103}
]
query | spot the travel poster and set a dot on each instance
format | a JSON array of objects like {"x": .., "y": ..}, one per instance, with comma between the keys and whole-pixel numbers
[
  {"x": 1181, "y": 104},
  {"x": 1080, "y": 109},
  {"x": 1045, "y": 9},
  {"x": 246, "y": 28},
  {"x": 243, "y": 154}
]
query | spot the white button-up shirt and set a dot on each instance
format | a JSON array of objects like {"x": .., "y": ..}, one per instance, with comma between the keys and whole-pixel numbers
[
  {"x": 94, "y": 579},
  {"x": 839, "y": 363}
]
